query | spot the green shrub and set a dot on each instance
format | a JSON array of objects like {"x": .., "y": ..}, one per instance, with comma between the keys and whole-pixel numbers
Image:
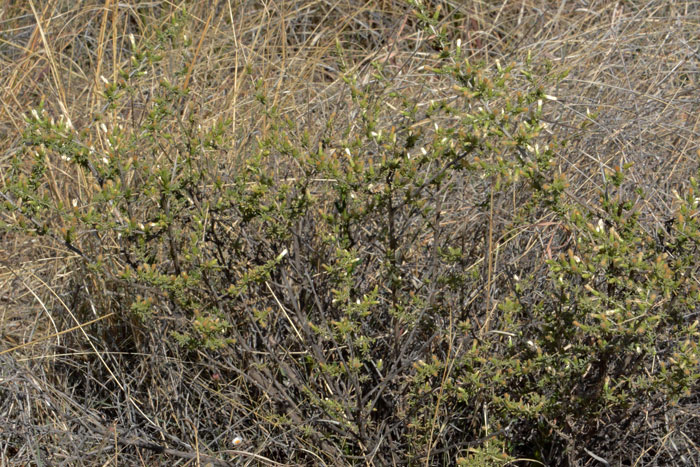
[{"x": 357, "y": 277}]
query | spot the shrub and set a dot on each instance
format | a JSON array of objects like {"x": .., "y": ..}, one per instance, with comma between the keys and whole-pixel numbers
[{"x": 373, "y": 289}]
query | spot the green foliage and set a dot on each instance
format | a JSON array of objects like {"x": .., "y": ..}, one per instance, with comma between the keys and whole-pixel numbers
[
  {"x": 613, "y": 319},
  {"x": 338, "y": 270}
]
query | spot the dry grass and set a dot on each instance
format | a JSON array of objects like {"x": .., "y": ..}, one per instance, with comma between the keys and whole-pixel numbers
[{"x": 634, "y": 63}]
